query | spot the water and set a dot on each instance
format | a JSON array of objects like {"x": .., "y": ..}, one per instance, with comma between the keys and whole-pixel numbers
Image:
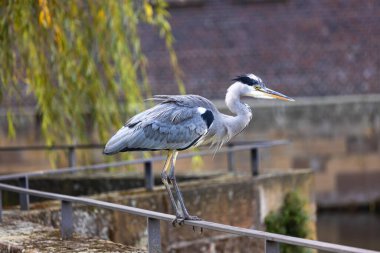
[{"x": 361, "y": 229}]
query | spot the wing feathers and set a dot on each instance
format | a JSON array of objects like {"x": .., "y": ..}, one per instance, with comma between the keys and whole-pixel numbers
[{"x": 165, "y": 126}]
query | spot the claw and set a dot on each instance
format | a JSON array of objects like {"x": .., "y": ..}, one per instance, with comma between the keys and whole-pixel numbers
[
  {"x": 181, "y": 221},
  {"x": 201, "y": 230},
  {"x": 189, "y": 217},
  {"x": 178, "y": 220}
]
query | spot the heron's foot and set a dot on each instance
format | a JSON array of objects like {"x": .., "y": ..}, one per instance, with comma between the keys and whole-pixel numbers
[{"x": 178, "y": 220}]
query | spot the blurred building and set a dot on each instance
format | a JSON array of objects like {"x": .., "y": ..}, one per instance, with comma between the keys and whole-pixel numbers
[{"x": 300, "y": 47}]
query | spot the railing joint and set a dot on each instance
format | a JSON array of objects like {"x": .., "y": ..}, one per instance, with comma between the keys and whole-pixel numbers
[
  {"x": 24, "y": 197},
  {"x": 255, "y": 161},
  {"x": 66, "y": 220},
  {"x": 154, "y": 236},
  {"x": 72, "y": 156},
  {"x": 1, "y": 205},
  {"x": 272, "y": 247},
  {"x": 149, "y": 176},
  {"x": 230, "y": 158}
]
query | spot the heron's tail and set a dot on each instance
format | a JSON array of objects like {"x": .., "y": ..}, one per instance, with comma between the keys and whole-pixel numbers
[{"x": 117, "y": 142}]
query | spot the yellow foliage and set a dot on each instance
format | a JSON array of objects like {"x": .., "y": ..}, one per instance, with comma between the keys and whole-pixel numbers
[
  {"x": 148, "y": 12},
  {"x": 44, "y": 17},
  {"x": 11, "y": 126},
  {"x": 101, "y": 15},
  {"x": 85, "y": 68},
  {"x": 58, "y": 35}
]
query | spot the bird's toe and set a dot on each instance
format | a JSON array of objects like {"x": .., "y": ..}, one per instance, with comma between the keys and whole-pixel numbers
[
  {"x": 178, "y": 221},
  {"x": 201, "y": 229}
]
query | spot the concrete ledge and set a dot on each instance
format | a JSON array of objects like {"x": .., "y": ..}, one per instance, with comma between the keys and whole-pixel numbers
[{"x": 27, "y": 237}]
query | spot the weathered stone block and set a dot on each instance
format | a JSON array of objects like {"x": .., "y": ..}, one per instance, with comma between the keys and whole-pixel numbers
[
  {"x": 26, "y": 237},
  {"x": 362, "y": 144},
  {"x": 358, "y": 188}
]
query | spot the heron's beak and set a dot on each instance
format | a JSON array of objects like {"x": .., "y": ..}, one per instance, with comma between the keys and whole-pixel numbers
[{"x": 274, "y": 94}]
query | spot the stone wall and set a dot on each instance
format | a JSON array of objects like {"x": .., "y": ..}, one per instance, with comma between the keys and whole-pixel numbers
[
  {"x": 300, "y": 47},
  {"x": 233, "y": 200}
]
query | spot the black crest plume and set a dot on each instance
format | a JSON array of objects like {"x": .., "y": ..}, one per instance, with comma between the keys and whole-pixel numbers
[{"x": 246, "y": 80}]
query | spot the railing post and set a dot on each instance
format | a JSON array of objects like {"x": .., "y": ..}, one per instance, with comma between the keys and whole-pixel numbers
[
  {"x": 149, "y": 177},
  {"x": 272, "y": 247},
  {"x": 154, "y": 236},
  {"x": 66, "y": 220},
  {"x": 72, "y": 157},
  {"x": 1, "y": 205},
  {"x": 255, "y": 160},
  {"x": 230, "y": 158},
  {"x": 24, "y": 197}
]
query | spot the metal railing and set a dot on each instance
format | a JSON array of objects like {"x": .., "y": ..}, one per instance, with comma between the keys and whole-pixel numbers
[
  {"x": 71, "y": 150},
  {"x": 253, "y": 147},
  {"x": 272, "y": 241}
]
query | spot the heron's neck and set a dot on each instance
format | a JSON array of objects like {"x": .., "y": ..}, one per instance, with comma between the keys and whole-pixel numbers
[{"x": 243, "y": 114}]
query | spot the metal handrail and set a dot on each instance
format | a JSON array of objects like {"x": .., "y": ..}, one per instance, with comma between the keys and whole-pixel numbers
[
  {"x": 71, "y": 149},
  {"x": 71, "y": 157},
  {"x": 77, "y": 146},
  {"x": 253, "y": 145},
  {"x": 272, "y": 240},
  {"x": 50, "y": 147}
]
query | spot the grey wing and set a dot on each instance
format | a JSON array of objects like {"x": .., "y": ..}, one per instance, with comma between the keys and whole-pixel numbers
[
  {"x": 217, "y": 133},
  {"x": 166, "y": 126},
  {"x": 187, "y": 100}
]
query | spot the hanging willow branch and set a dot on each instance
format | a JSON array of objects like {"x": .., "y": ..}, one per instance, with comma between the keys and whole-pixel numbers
[{"x": 81, "y": 62}]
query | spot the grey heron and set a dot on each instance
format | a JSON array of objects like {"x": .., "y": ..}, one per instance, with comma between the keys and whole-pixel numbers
[{"x": 180, "y": 122}]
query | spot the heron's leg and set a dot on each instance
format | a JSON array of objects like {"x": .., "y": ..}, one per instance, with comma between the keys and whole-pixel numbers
[
  {"x": 164, "y": 178},
  {"x": 173, "y": 180}
]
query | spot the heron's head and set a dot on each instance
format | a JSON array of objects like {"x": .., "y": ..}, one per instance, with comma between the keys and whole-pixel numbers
[{"x": 252, "y": 86}]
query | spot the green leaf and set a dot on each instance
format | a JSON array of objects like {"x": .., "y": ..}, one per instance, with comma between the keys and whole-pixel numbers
[{"x": 11, "y": 127}]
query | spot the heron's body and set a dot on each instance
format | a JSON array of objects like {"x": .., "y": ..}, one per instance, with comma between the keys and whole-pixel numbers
[
  {"x": 180, "y": 122},
  {"x": 177, "y": 123}
]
